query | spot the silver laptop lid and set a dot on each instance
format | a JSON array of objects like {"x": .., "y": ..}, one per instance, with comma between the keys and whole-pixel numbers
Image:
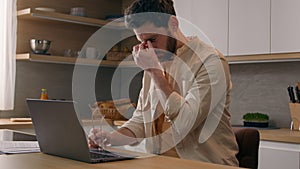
[{"x": 58, "y": 129}]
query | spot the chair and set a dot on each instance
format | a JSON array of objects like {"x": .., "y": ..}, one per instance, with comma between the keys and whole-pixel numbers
[{"x": 248, "y": 142}]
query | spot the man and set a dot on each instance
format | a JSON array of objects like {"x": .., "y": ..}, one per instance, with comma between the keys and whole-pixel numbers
[{"x": 183, "y": 105}]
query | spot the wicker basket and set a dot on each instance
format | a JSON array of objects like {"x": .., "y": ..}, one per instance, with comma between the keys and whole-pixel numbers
[
  {"x": 113, "y": 114},
  {"x": 117, "y": 56},
  {"x": 117, "y": 110}
]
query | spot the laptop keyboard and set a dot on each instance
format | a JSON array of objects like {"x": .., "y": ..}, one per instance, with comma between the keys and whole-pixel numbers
[
  {"x": 102, "y": 154},
  {"x": 105, "y": 156}
]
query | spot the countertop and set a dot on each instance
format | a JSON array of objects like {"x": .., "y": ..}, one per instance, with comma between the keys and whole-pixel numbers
[
  {"x": 277, "y": 135},
  {"x": 280, "y": 135},
  {"x": 7, "y": 123}
]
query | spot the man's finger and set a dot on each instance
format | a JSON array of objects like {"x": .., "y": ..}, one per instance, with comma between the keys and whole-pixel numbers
[
  {"x": 135, "y": 48},
  {"x": 149, "y": 44},
  {"x": 142, "y": 46},
  {"x": 92, "y": 144}
]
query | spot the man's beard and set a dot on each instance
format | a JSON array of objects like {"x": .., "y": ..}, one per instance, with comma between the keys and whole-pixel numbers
[{"x": 168, "y": 54}]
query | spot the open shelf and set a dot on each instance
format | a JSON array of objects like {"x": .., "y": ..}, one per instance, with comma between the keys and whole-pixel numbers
[
  {"x": 72, "y": 60},
  {"x": 266, "y": 58},
  {"x": 32, "y": 14},
  {"x": 29, "y": 13}
]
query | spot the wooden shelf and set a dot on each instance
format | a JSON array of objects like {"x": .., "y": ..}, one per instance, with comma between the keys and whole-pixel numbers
[
  {"x": 288, "y": 57},
  {"x": 29, "y": 13},
  {"x": 264, "y": 58},
  {"x": 32, "y": 14},
  {"x": 71, "y": 60}
]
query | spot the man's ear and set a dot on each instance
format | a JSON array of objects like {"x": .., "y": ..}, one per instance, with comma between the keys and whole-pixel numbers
[{"x": 173, "y": 23}]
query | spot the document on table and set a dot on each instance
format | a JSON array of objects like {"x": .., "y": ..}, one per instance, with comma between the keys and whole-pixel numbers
[{"x": 15, "y": 147}]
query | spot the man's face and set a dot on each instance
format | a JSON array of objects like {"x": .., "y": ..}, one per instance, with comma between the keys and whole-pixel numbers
[{"x": 160, "y": 39}]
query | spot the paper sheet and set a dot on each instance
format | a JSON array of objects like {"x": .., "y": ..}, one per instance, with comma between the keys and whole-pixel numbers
[{"x": 15, "y": 147}]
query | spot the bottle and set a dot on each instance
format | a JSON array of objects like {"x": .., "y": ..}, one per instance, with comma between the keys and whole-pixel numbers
[{"x": 44, "y": 94}]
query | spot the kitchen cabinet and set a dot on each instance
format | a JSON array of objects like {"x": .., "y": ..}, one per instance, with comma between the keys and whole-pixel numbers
[
  {"x": 210, "y": 17},
  {"x": 249, "y": 27},
  {"x": 278, "y": 155},
  {"x": 240, "y": 29},
  {"x": 230, "y": 25},
  {"x": 279, "y": 148},
  {"x": 285, "y": 26},
  {"x": 64, "y": 30},
  {"x": 183, "y": 9}
]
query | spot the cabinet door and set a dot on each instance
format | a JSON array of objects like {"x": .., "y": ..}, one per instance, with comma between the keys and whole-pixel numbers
[
  {"x": 278, "y": 155},
  {"x": 184, "y": 15},
  {"x": 285, "y": 26},
  {"x": 249, "y": 27},
  {"x": 211, "y": 19},
  {"x": 278, "y": 159},
  {"x": 183, "y": 8}
]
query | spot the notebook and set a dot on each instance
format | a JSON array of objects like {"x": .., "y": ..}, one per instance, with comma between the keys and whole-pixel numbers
[{"x": 60, "y": 133}]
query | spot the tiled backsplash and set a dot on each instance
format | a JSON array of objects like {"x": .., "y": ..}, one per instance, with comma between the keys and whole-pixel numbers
[{"x": 262, "y": 87}]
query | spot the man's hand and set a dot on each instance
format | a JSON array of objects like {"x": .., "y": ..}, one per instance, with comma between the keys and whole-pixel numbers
[
  {"x": 145, "y": 56},
  {"x": 98, "y": 138}
]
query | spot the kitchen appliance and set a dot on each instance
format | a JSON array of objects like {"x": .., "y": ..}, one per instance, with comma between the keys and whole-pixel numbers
[{"x": 39, "y": 46}]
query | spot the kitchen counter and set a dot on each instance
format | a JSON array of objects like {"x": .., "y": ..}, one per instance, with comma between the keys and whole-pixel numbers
[
  {"x": 277, "y": 135},
  {"x": 279, "y": 148},
  {"x": 280, "y": 135},
  {"x": 15, "y": 125}
]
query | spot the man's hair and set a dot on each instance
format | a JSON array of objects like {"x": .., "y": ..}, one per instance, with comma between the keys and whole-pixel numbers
[{"x": 157, "y": 12}]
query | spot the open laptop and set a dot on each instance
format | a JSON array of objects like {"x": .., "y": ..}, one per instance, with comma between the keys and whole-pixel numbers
[{"x": 60, "y": 133}]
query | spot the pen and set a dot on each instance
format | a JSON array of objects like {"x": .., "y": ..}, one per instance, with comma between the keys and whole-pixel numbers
[
  {"x": 102, "y": 140},
  {"x": 92, "y": 115}
]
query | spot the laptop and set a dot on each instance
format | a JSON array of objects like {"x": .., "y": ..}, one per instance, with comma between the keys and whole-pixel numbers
[{"x": 60, "y": 133}]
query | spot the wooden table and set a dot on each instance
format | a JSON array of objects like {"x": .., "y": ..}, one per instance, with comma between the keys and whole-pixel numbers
[{"x": 43, "y": 161}]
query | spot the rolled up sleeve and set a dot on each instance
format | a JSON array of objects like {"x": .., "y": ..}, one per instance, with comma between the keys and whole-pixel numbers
[
  {"x": 136, "y": 122},
  {"x": 173, "y": 105},
  {"x": 136, "y": 127}
]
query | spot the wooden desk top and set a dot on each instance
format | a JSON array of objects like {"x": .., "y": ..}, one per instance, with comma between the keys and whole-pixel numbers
[
  {"x": 280, "y": 135},
  {"x": 43, "y": 161}
]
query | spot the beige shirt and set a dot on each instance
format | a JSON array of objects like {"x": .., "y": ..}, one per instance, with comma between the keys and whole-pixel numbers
[{"x": 197, "y": 109}]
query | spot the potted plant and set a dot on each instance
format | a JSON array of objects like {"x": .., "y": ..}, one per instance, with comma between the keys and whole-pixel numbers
[{"x": 256, "y": 120}]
